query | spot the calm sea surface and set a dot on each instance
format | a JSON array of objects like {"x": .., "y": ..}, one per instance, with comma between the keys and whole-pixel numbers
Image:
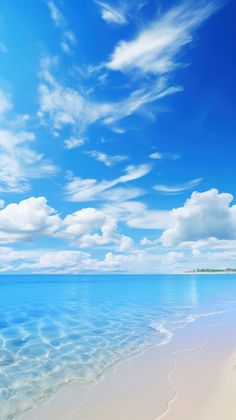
[{"x": 58, "y": 329}]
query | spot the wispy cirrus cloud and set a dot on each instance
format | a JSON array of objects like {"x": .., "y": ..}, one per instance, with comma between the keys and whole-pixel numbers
[
  {"x": 178, "y": 188},
  {"x": 156, "y": 48},
  {"x": 55, "y": 13},
  {"x": 154, "y": 53},
  {"x": 122, "y": 12},
  {"x": 111, "y": 14},
  {"x": 161, "y": 156},
  {"x": 106, "y": 159},
  {"x": 5, "y": 103},
  {"x": 79, "y": 189},
  {"x": 68, "y": 41},
  {"x": 20, "y": 162},
  {"x": 63, "y": 106}
]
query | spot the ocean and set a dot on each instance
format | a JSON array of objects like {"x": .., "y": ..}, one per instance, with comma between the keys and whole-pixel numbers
[{"x": 56, "y": 329}]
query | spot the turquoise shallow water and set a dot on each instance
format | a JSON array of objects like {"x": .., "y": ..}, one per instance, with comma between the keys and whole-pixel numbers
[{"x": 58, "y": 329}]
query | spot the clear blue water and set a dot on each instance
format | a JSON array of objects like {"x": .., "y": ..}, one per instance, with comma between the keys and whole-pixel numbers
[{"x": 58, "y": 329}]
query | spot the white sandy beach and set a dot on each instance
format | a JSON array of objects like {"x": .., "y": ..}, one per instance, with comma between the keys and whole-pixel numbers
[{"x": 192, "y": 377}]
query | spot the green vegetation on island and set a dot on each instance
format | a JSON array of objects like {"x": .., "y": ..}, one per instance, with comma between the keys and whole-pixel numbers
[{"x": 213, "y": 270}]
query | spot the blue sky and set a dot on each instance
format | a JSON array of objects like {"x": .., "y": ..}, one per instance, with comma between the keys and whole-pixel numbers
[{"x": 117, "y": 136}]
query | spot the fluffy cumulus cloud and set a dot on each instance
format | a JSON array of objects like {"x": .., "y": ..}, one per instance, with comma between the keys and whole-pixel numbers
[
  {"x": 90, "y": 227},
  {"x": 51, "y": 261},
  {"x": 199, "y": 234},
  {"x": 75, "y": 261},
  {"x": 204, "y": 215},
  {"x": 27, "y": 220},
  {"x": 45, "y": 261},
  {"x": 33, "y": 218}
]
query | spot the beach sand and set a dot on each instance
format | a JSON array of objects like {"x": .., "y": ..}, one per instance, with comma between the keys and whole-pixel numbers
[
  {"x": 193, "y": 377},
  {"x": 222, "y": 404}
]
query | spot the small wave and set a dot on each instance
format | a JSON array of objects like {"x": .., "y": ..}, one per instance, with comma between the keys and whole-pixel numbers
[
  {"x": 160, "y": 328},
  {"x": 193, "y": 317},
  {"x": 163, "y": 331}
]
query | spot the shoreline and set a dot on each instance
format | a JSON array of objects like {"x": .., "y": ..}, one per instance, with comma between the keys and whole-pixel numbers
[{"x": 156, "y": 383}]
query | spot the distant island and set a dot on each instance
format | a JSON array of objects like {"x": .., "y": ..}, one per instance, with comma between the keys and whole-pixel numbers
[{"x": 213, "y": 270}]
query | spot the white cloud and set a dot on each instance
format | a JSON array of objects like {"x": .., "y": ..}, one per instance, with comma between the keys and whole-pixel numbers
[
  {"x": 68, "y": 37},
  {"x": 91, "y": 227},
  {"x": 134, "y": 261},
  {"x": 150, "y": 219},
  {"x": 69, "y": 41},
  {"x": 149, "y": 242},
  {"x": 156, "y": 155},
  {"x": 160, "y": 156},
  {"x": 156, "y": 48},
  {"x": 74, "y": 142},
  {"x": 52, "y": 261},
  {"x": 137, "y": 215},
  {"x": 43, "y": 260},
  {"x": 118, "y": 130},
  {"x": 33, "y": 218},
  {"x": 210, "y": 243},
  {"x": 122, "y": 194},
  {"x": 78, "y": 189},
  {"x": 174, "y": 189},
  {"x": 5, "y": 103},
  {"x": 65, "y": 47},
  {"x": 111, "y": 14},
  {"x": 201, "y": 233},
  {"x": 138, "y": 99},
  {"x": 139, "y": 261},
  {"x": 55, "y": 13},
  {"x": 204, "y": 215},
  {"x": 65, "y": 106},
  {"x": 19, "y": 162},
  {"x": 106, "y": 159},
  {"x": 29, "y": 219}
]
